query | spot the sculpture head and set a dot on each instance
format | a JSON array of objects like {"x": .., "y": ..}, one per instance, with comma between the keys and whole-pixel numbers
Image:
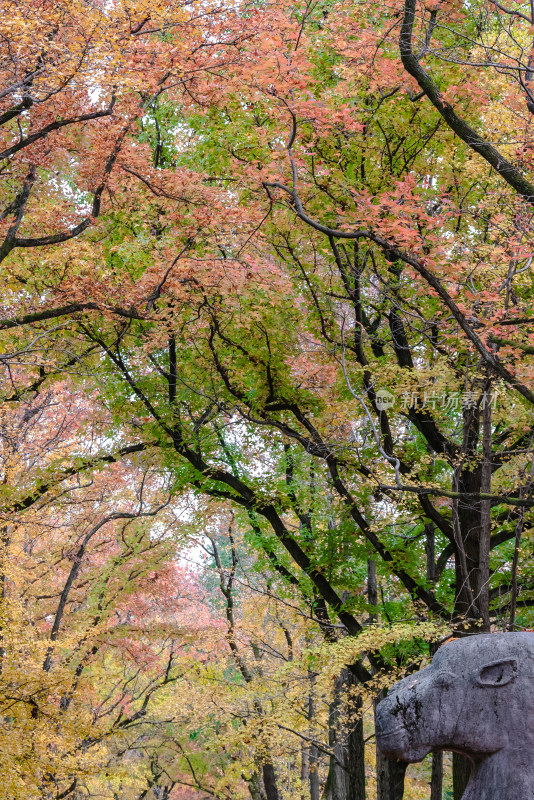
[{"x": 476, "y": 697}]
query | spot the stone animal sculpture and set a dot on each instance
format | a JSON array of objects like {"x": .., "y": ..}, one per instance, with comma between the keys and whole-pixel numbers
[{"x": 476, "y": 698}]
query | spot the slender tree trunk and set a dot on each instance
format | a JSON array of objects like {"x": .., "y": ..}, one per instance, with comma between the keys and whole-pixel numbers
[
  {"x": 518, "y": 533},
  {"x": 313, "y": 758},
  {"x": 372, "y": 589},
  {"x": 304, "y": 771},
  {"x": 436, "y": 780},
  {"x": 430, "y": 547},
  {"x": 461, "y": 770},
  {"x": 314, "y": 773},
  {"x": 485, "y": 514},
  {"x": 515, "y": 563}
]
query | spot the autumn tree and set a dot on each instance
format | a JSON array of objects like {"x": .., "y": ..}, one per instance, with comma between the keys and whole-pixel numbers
[{"x": 336, "y": 202}]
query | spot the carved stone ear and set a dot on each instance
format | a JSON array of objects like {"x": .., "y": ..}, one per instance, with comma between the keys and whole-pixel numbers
[{"x": 498, "y": 673}]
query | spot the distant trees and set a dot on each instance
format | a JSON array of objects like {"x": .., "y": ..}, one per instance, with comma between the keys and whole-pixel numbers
[{"x": 86, "y": 649}]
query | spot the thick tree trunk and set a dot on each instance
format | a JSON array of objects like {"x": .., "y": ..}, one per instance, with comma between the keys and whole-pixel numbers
[
  {"x": 389, "y": 777},
  {"x": 389, "y": 773},
  {"x": 461, "y": 770},
  {"x": 269, "y": 782},
  {"x": 336, "y": 783},
  {"x": 356, "y": 756},
  {"x": 346, "y": 776},
  {"x": 338, "y": 776},
  {"x": 466, "y": 517},
  {"x": 436, "y": 780},
  {"x": 471, "y": 518}
]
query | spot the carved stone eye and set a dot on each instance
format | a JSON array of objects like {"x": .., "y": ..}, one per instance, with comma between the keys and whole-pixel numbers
[
  {"x": 445, "y": 679},
  {"x": 498, "y": 673}
]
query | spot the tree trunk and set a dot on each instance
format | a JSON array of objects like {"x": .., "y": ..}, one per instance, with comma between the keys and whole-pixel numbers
[
  {"x": 356, "y": 755},
  {"x": 485, "y": 515},
  {"x": 430, "y": 548},
  {"x": 336, "y": 783},
  {"x": 466, "y": 518},
  {"x": 436, "y": 780},
  {"x": 346, "y": 776},
  {"x": 304, "y": 770},
  {"x": 269, "y": 781},
  {"x": 372, "y": 589},
  {"x": 389, "y": 777},
  {"x": 313, "y": 751},
  {"x": 314, "y": 773},
  {"x": 461, "y": 770},
  {"x": 389, "y": 772},
  {"x": 254, "y": 787},
  {"x": 472, "y": 518}
]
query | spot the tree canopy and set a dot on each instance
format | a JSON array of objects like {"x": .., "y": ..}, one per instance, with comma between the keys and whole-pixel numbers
[{"x": 266, "y": 398}]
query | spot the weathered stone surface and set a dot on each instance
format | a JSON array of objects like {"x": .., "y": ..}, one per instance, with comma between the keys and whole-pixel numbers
[{"x": 476, "y": 698}]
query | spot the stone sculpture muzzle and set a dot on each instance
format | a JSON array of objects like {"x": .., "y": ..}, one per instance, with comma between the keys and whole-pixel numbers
[{"x": 476, "y": 698}]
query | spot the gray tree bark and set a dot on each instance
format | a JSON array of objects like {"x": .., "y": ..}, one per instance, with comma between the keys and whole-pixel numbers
[
  {"x": 356, "y": 756},
  {"x": 389, "y": 773},
  {"x": 346, "y": 776}
]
